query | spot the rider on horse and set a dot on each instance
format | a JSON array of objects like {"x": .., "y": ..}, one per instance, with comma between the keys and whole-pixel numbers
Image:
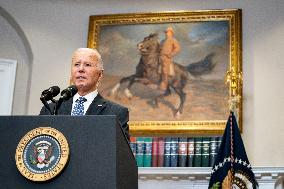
[{"x": 168, "y": 49}]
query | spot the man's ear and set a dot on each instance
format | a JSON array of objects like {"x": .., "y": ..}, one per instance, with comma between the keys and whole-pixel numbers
[
  {"x": 100, "y": 78},
  {"x": 71, "y": 82},
  {"x": 101, "y": 74}
]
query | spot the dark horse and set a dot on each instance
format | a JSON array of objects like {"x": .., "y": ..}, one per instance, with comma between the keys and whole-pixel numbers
[{"x": 147, "y": 71}]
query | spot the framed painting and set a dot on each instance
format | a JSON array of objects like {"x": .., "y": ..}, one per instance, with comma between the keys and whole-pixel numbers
[{"x": 195, "y": 101}]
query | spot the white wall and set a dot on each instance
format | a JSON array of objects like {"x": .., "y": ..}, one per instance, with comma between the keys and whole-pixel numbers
[
  {"x": 55, "y": 28},
  {"x": 14, "y": 45}
]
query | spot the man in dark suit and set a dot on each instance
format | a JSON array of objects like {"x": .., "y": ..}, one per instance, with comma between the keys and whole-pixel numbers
[{"x": 86, "y": 73}]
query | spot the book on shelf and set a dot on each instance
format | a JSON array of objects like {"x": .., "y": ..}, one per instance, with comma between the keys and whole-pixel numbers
[
  {"x": 219, "y": 141},
  {"x": 167, "y": 152},
  {"x": 155, "y": 151},
  {"x": 174, "y": 152},
  {"x": 205, "y": 152},
  {"x": 148, "y": 152},
  {"x": 140, "y": 151},
  {"x": 213, "y": 150},
  {"x": 161, "y": 149},
  {"x": 133, "y": 145},
  {"x": 190, "y": 151},
  {"x": 182, "y": 152},
  {"x": 197, "y": 152}
]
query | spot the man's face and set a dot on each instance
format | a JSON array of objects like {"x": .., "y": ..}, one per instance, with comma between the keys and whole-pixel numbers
[
  {"x": 169, "y": 34},
  {"x": 85, "y": 72}
]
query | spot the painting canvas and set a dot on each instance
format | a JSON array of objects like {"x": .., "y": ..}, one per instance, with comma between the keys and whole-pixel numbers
[{"x": 205, "y": 56}]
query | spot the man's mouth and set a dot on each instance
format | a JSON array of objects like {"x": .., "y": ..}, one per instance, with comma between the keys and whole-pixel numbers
[{"x": 80, "y": 77}]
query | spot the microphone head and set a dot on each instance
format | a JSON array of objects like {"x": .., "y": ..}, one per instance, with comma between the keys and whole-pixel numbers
[
  {"x": 49, "y": 93},
  {"x": 55, "y": 90},
  {"x": 66, "y": 94}
]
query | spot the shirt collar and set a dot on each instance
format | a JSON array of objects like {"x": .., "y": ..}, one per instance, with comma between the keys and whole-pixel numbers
[{"x": 90, "y": 96}]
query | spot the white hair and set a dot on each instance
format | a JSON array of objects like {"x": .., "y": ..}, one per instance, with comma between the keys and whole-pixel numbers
[{"x": 93, "y": 52}]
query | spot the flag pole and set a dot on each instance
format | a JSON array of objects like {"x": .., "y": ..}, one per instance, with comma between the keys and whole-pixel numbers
[
  {"x": 232, "y": 78},
  {"x": 233, "y": 103},
  {"x": 232, "y": 151}
]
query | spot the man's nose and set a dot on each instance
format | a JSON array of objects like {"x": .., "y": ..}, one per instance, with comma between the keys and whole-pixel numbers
[{"x": 81, "y": 68}]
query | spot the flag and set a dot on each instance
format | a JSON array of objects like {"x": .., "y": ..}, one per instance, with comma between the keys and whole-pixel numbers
[{"x": 232, "y": 167}]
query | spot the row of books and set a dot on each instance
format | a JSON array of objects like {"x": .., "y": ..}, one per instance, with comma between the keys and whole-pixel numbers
[{"x": 175, "y": 152}]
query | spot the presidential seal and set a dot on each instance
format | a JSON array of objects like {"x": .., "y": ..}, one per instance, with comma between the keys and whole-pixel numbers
[{"x": 42, "y": 154}]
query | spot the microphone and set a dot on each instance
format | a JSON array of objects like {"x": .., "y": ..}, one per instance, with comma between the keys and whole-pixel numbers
[
  {"x": 66, "y": 94},
  {"x": 48, "y": 94}
]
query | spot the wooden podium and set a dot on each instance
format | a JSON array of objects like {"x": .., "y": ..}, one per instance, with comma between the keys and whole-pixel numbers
[{"x": 100, "y": 156}]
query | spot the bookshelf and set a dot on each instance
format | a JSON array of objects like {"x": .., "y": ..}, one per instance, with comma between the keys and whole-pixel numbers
[{"x": 175, "y": 151}]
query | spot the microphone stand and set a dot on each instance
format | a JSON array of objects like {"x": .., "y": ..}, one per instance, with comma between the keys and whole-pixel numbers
[
  {"x": 57, "y": 105},
  {"x": 46, "y": 104}
]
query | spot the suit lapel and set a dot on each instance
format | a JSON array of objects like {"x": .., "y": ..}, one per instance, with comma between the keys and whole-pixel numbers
[{"x": 96, "y": 106}]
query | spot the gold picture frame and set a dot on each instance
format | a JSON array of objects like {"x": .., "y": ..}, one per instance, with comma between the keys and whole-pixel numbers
[{"x": 104, "y": 33}]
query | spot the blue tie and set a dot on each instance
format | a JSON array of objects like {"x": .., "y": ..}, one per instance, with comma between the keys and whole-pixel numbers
[{"x": 79, "y": 106}]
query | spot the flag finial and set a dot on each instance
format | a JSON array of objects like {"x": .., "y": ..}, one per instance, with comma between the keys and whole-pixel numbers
[
  {"x": 233, "y": 103},
  {"x": 234, "y": 78}
]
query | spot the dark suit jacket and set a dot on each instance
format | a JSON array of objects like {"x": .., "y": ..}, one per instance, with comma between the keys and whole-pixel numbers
[{"x": 99, "y": 106}]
